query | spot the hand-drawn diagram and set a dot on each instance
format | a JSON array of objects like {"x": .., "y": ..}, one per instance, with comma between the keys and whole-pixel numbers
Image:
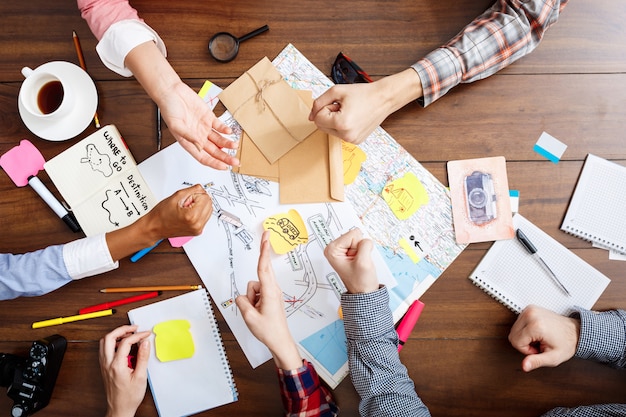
[
  {"x": 100, "y": 162},
  {"x": 226, "y": 261}
]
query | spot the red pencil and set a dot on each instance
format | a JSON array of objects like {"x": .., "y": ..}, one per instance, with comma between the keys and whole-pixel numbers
[{"x": 111, "y": 304}]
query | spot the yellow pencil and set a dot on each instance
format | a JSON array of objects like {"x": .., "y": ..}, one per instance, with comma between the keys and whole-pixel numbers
[
  {"x": 156, "y": 288},
  {"x": 69, "y": 319}
]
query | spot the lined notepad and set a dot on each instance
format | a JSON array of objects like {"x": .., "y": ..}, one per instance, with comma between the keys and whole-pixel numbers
[
  {"x": 187, "y": 386},
  {"x": 511, "y": 275},
  {"x": 596, "y": 211}
]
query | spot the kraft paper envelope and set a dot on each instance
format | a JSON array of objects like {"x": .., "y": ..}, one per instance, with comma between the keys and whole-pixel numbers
[
  {"x": 268, "y": 109},
  {"x": 312, "y": 172},
  {"x": 252, "y": 162}
]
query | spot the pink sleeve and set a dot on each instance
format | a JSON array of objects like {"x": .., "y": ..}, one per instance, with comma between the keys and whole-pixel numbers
[{"x": 101, "y": 14}]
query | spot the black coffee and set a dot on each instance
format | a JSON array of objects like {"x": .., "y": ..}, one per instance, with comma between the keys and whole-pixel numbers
[{"x": 50, "y": 97}]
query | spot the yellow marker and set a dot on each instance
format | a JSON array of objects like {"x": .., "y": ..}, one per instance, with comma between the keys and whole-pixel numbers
[
  {"x": 69, "y": 319},
  {"x": 340, "y": 313},
  {"x": 405, "y": 195}
]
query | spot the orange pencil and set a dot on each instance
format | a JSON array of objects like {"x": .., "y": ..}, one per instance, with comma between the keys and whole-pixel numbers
[
  {"x": 81, "y": 61},
  {"x": 154, "y": 288}
]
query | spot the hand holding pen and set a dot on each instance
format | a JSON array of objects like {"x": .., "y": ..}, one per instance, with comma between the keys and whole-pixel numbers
[{"x": 185, "y": 213}]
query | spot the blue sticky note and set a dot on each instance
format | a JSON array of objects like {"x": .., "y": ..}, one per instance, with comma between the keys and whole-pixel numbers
[{"x": 550, "y": 147}]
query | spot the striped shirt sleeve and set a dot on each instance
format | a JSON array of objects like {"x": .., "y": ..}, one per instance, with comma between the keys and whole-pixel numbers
[{"x": 507, "y": 31}]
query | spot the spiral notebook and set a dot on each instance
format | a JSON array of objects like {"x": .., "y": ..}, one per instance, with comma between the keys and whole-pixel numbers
[
  {"x": 514, "y": 277},
  {"x": 596, "y": 211},
  {"x": 192, "y": 378}
]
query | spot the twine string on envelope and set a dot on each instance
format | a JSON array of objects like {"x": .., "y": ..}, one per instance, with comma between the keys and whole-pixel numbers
[{"x": 258, "y": 98}]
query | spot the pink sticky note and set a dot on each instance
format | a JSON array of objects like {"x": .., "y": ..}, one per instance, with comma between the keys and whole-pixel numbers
[
  {"x": 22, "y": 161},
  {"x": 177, "y": 242}
]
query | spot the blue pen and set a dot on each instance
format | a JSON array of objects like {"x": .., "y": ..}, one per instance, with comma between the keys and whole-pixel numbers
[{"x": 137, "y": 256}]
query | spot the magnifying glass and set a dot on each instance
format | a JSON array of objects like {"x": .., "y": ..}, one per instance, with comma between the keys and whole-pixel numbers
[{"x": 224, "y": 46}]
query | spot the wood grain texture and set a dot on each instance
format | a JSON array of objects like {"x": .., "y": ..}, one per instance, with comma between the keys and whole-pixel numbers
[{"x": 572, "y": 86}]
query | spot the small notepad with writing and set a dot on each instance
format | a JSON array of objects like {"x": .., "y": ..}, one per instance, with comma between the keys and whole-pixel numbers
[
  {"x": 188, "y": 370},
  {"x": 596, "y": 211},
  {"x": 99, "y": 179},
  {"x": 516, "y": 278}
]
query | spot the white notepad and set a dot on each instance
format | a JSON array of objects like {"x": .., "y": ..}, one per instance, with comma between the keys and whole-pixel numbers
[
  {"x": 188, "y": 386},
  {"x": 514, "y": 277},
  {"x": 596, "y": 211}
]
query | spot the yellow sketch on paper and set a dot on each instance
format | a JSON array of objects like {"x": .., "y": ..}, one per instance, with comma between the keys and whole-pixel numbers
[
  {"x": 287, "y": 230},
  {"x": 353, "y": 158},
  {"x": 405, "y": 195},
  {"x": 173, "y": 340}
]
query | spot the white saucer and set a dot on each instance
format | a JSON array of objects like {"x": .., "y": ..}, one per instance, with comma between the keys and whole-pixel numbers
[{"x": 78, "y": 118}]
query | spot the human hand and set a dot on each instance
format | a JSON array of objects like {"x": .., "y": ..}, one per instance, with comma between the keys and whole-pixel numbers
[
  {"x": 196, "y": 128},
  {"x": 352, "y": 111},
  {"x": 349, "y": 111},
  {"x": 546, "y": 338},
  {"x": 184, "y": 213},
  {"x": 262, "y": 308},
  {"x": 125, "y": 387},
  {"x": 350, "y": 256}
]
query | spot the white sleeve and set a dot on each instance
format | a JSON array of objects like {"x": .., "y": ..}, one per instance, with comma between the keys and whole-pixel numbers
[
  {"x": 120, "y": 39},
  {"x": 88, "y": 256}
]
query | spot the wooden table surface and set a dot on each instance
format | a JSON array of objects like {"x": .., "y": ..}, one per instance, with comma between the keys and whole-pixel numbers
[{"x": 573, "y": 87}]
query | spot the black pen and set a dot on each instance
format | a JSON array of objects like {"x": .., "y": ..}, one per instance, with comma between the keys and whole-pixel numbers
[
  {"x": 158, "y": 128},
  {"x": 533, "y": 251}
]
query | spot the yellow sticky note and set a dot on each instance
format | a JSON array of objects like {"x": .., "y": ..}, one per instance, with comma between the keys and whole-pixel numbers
[
  {"x": 405, "y": 195},
  {"x": 404, "y": 244},
  {"x": 287, "y": 231},
  {"x": 173, "y": 340},
  {"x": 353, "y": 158}
]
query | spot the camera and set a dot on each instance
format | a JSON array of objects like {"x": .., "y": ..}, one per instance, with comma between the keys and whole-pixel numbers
[
  {"x": 30, "y": 380},
  {"x": 481, "y": 197}
]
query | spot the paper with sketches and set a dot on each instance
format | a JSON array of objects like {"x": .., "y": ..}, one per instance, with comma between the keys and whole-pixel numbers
[
  {"x": 405, "y": 195},
  {"x": 99, "y": 179},
  {"x": 271, "y": 112},
  {"x": 173, "y": 340},
  {"x": 287, "y": 231},
  {"x": 225, "y": 256},
  {"x": 481, "y": 205},
  {"x": 431, "y": 225}
]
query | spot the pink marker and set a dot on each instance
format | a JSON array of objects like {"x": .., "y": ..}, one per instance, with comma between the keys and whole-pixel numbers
[{"x": 408, "y": 322}]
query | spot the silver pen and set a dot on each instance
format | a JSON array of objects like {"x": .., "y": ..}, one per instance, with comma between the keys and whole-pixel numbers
[{"x": 533, "y": 251}]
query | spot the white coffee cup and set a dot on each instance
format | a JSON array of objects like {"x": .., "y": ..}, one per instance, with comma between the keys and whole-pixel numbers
[{"x": 46, "y": 94}]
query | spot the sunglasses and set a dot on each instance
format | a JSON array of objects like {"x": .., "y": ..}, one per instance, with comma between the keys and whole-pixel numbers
[{"x": 346, "y": 71}]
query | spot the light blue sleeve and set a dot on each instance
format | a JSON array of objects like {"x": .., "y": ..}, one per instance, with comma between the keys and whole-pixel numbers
[
  {"x": 33, "y": 273},
  {"x": 382, "y": 381}
]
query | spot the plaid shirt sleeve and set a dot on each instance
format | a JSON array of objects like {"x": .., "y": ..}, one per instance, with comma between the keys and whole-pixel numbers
[
  {"x": 303, "y": 395},
  {"x": 506, "y": 32},
  {"x": 602, "y": 339},
  {"x": 379, "y": 377}
]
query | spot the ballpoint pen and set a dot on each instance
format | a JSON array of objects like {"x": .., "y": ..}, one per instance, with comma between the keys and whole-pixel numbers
[
  {"x": 533, "y": 251},
  {"x": 158, "y": 128}
]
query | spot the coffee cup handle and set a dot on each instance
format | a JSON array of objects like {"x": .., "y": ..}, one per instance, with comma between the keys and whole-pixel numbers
[{"x": 26, "y": 72}]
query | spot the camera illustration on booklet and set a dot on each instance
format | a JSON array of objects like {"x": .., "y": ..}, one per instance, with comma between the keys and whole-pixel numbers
[
  {"x": 30, "y": 380},
  {"x": 481, "y": 197}
]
